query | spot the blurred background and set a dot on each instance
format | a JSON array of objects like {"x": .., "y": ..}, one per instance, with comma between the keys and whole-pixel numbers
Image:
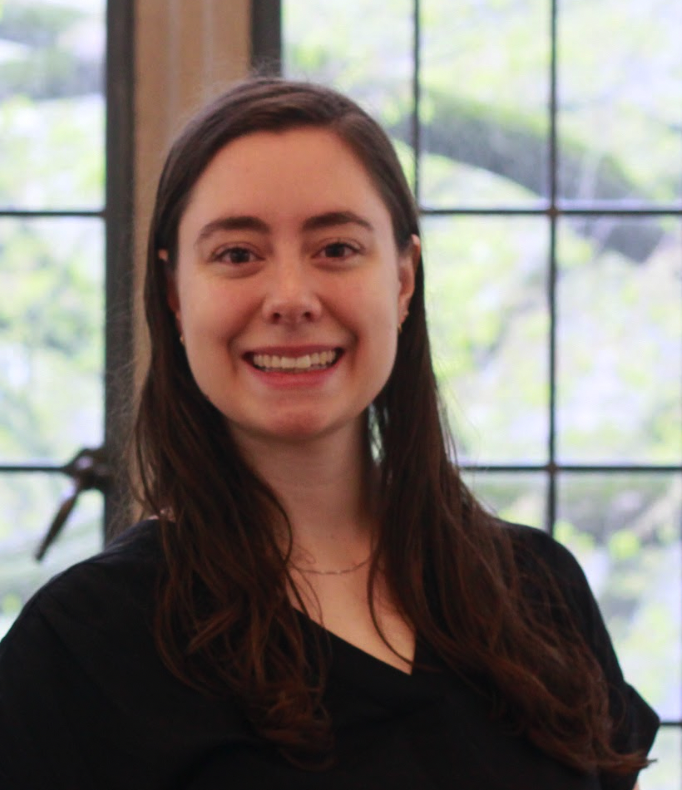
[{"x": 543, "y": 141}]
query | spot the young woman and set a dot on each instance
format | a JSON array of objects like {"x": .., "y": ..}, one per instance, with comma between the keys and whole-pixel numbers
[{"x": 316, "y": 600}]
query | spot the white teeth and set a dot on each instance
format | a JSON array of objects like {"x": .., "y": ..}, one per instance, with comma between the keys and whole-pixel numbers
[{"x": 315, "y": 361}]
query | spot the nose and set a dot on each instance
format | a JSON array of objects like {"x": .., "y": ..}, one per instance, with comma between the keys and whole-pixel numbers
[{"x": 291, "y": 296}]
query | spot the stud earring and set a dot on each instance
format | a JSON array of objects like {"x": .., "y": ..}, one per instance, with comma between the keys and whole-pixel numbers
[{"x": 178, "y": 326}]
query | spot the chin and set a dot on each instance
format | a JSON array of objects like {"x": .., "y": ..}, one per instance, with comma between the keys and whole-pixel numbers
[{"x": 298, "y": 430}]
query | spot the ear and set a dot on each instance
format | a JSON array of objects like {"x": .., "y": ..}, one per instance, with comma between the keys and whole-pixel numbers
[
  {"x": 171, "y": 285},
  {"x": 407, "y": 272}
]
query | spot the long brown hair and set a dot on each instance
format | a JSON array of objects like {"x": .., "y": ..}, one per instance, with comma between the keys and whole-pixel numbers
[{"x": 224, "y": 622}]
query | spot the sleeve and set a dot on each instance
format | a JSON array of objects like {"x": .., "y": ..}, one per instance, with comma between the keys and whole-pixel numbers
[
  {"x": 635, "y": 721},
  {"x": 38, "y": 745},
  {"x": 85, "y": 699},
  {"x": 80, "y": 685}
]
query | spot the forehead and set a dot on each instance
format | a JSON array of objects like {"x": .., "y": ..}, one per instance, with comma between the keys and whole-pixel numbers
[{"x": 293, "y": 174}]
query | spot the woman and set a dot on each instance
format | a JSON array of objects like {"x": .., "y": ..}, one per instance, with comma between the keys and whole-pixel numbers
[{"x": 316, "y": 599}]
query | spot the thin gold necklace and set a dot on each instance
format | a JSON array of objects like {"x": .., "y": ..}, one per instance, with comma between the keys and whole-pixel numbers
[{"x": 333, "y": 573}]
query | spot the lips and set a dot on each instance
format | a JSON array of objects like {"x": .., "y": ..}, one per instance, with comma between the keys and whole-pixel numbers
[{"x": 295, "y": 363}]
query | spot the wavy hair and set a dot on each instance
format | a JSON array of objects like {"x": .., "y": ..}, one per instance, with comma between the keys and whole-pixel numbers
[{"x": 224, "y": 622}]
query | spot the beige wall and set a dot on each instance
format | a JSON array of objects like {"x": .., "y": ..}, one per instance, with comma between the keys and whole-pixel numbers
[{"x": 186, "y": 52}]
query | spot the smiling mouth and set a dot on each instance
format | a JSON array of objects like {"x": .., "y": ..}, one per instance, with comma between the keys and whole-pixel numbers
[{"x": 278, "y": 363}]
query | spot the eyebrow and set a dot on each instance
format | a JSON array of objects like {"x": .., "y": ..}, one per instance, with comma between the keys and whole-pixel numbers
[
  {"x": 247, "y": 222},
  {"x": 332, "y": 218},
  {"x": 231, "y": 223}
]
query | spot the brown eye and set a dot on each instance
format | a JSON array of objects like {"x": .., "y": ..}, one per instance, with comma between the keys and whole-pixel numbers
[
  {"x": 338, "y": 249},
  {"x": 236, "y": 255}
]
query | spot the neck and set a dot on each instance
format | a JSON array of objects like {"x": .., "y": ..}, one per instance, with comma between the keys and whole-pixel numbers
[{"x": 326, "y": 488}]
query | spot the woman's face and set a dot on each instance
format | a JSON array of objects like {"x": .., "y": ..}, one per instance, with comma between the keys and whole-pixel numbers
[{"x": 289, "y": 288}]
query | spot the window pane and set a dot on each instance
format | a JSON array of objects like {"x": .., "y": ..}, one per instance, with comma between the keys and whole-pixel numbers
[
  {"x": 519, "y": 497},
  {"x": 363, "y": 50},
  {"x": 485, "y": 98},
  {"x": 625, "y": 530},
  {"x": 51, "y": 104},
  {"x": 620, "y": 98},
  {"x": 666, "y": 772},
  {"x": 486, "y": 291},
  {"x": 619, "y": 330},
  {"x": 28, "y": 503},
  {"x": 51, "y": 347}
]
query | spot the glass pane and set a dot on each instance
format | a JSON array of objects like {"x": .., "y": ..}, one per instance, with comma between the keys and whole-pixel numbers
[
  {"x": 619, "y": 330},
  {"x": 28, "y": 503},
  {"x": 666, "y": 772},
  {"x": 485, "y": 72},
  {"x": 51, "y": 347},
  {"x": 51, "y": 104},
  {"x": 625, "y": 531},
  {"x": 620, "y": 100},
  {"x": 486, "y": 291},
  {"x": 362, "y": 49},
  {"x": 518, "y": 497}
]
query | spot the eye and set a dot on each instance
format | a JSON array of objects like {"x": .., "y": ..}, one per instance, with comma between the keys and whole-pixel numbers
[
  {"x": 235, "y": 255},
  {"x": 339, "y": 250}
]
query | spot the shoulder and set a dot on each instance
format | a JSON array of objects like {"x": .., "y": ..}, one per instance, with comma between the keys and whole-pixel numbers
[
  {"x": 113, "y": 589},
  {"x": 80, "y": 652},
  {"x": 553, "y": 578},
  {"x": 85, "y": 698},
  {"x": 533, "y": 545},
  {"x": 131, "y": 557},
  {"x": 539, "y": 559},
  {"x": 555, "y": 592}
]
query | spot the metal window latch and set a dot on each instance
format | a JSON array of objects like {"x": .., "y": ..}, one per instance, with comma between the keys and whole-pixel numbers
[{"x": 89, "y": 470}]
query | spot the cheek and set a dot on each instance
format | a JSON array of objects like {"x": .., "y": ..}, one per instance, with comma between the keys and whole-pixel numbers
[
  {"x": 375, "y": 319},
  {"x": 377, "y": 303},
  {"x": 378, "y": 290},
  {"x": 210, "y": 310}
]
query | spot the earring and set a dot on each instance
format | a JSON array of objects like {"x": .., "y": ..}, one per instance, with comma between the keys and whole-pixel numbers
[{"x": 178, "y": 325}]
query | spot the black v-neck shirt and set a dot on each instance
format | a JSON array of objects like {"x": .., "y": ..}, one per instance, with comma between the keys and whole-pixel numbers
[{"x": 87, "y": 704}]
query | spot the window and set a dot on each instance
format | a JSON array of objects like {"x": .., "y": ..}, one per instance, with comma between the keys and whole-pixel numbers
[
  {"x": 64, "y": 326},
  {"x": 544, "y": 144}
]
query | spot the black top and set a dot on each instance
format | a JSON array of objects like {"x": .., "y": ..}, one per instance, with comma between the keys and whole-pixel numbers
[{"x": 86, "y": 703}]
